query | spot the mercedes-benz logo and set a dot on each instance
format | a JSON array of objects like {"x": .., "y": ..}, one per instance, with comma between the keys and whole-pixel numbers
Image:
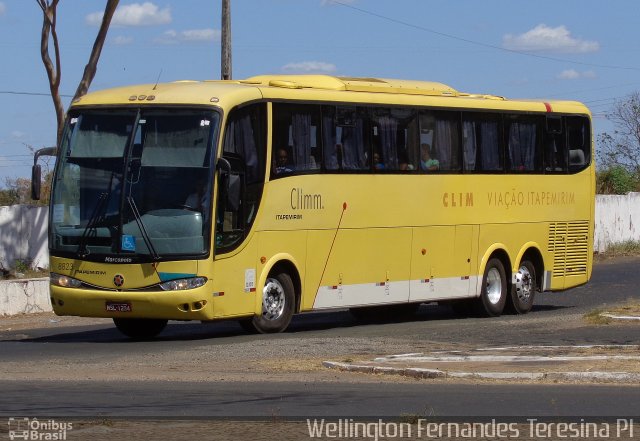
[{"x": 118, "y": 280}]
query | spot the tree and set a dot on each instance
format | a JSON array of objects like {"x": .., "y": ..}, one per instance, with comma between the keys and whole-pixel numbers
[
  {"x": 622, "y": 147},
  {"x": 49, "y": 33}
]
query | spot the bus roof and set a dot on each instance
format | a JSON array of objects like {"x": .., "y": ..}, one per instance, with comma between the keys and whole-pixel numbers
[{"x": 314, "y": 87}]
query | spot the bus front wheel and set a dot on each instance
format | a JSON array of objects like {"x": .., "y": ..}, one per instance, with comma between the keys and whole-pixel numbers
[
  {"x": 140, "y": 329},
  {"x": 278, "y": 303},
  {"x": 493, "y": 295}
]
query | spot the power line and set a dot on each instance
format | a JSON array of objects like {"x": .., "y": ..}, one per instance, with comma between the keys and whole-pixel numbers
[
  {"x": 479, "y": 43},
  {"x": 11, "y": 92}
]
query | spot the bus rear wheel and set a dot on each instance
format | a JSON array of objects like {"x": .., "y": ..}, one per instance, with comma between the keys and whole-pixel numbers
[
  {"x": 140, "y": 329},
  {"x": 493, "y": 294},
  {"x": 278, "y": 303},
  {"x": 524, "y": 288}
]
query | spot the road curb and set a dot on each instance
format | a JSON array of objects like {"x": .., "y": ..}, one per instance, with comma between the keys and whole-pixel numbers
[
  {"x": 425, "y": 373},
  {"x": 619, "y": 317}
]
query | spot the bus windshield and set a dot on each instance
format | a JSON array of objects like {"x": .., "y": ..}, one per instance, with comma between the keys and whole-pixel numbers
[{"x": 134, "y": 185}]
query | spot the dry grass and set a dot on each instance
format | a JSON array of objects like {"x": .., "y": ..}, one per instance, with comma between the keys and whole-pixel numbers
[
  {"x": 621, "y": 249},
  {"x": 595, "y": 317}
]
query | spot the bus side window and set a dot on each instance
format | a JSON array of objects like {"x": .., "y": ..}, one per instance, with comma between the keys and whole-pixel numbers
[
  {"x": 555, "y": 146},
  {"x": 446, "y": 140},
  {"x": 331, "y": 132},
  {"x": 482, "y": 145},
  {"x": 523, "y": 141},
  {"x": 391, "y": 129},
  {"x": 578, "y": 141},
  {"x": 296, "y": 135}
]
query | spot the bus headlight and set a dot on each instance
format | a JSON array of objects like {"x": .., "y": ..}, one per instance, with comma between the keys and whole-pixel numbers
[
  {"x": 64, "y": 281},
  {"x": 180, "y": 284}
]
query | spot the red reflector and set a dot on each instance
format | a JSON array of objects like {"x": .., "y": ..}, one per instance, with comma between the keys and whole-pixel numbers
[{"x": 548, "y": 107}]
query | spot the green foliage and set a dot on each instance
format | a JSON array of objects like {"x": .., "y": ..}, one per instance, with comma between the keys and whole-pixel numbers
[
  {"x": 616, "y": 180},
  {"x": 22, "y": 265},
  {"x": 18, "y": 191},
  {"x": 9, "y": 196}
]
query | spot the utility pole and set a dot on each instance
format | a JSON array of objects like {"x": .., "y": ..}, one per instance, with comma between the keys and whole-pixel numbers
[{"x": 226, "y": 40}]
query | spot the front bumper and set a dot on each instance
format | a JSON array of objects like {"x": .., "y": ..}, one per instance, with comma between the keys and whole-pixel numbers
[{"x": 192, "y": 304}]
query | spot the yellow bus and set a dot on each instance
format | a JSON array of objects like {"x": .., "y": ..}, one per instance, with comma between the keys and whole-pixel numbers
[{"x": 261, "y": 198}]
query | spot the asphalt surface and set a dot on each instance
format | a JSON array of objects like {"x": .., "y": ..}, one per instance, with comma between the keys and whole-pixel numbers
[
  {"x": 233, "y": 383},
  {"x": 282, "y": 399}
]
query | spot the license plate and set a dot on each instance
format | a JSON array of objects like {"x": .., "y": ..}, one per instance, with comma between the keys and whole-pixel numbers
[{"x": 118, "y": 307}]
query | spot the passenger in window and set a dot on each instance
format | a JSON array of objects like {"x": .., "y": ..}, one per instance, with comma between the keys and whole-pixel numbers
[
  {"x": 427, "y": 163},
  {"x": 377, "y": 163},
  {"x": 281, "y": 163},
  {"x": 403, "y": 163},
  {"x": 314, "y": 164}
]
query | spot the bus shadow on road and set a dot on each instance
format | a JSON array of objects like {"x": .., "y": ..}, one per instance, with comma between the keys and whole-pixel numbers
[{"x": 303, "y": 323}]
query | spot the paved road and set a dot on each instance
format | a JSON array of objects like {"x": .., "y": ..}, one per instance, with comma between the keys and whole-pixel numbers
[
  {"x": 338, "y": 400},
  {"x": 218, "y": 370}
]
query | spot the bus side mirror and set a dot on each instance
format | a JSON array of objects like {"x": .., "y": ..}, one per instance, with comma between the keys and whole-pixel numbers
[
  {"x": 233, "y": 192},
  {"x": 230, "y": 186},
  {"x": 36, "y": 178},
  {"x": 36, "y": 171}
]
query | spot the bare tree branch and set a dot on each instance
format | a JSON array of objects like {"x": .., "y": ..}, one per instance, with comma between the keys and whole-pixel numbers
[
  {"x": 54, "y": 70},
  {"x": 622, "y": 147},
  {"x": 91, "y": 67}
]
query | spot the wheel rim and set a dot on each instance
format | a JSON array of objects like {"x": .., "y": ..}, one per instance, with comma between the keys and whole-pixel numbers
[
  {"x": 525, "y": 285},
  {"x": 273, "y": 300},
  {"x": 494, "y": 286}
]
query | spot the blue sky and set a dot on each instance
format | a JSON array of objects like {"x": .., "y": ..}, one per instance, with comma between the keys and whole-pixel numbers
[{"x": 586, "y": 50}]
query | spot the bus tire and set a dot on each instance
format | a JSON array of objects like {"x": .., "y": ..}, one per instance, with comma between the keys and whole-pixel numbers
[
  {"x": 140, "y": 329},
  {"x": 524, "y": 288},
  {"x": 493, "y": 294},
  {"x": 278, "y": 303}
]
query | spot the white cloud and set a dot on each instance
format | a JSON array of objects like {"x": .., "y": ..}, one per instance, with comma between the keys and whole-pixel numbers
[
  {"x": 545, "y": 38},
  {"x": 569, "y": 74},
  {"x": 135, "y": 14},
  {"x": 572, "y": 74},
  {"x": 309, "y": 67},
  {"x": 17, "y": 134},
  {"x": 3, "y": 8},
  {"x": 190, "y": 35},
  {"x": 122, "y": 40}
]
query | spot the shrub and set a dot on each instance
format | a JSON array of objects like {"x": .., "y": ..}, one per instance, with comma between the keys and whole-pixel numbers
[{"x": 616, "y": 180}]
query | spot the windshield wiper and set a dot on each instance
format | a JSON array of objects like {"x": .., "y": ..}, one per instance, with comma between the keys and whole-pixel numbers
[
  {"x": 143, "y": 231},
  {"x": 95, "y": 218}
]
